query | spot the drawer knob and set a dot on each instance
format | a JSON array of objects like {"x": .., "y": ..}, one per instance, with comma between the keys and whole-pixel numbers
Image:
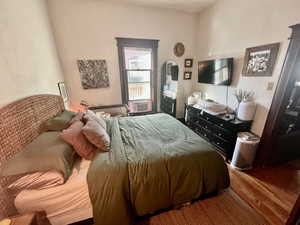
[
  {"x": 221, "y": 124},
  {"x": 219, "y": 134}
]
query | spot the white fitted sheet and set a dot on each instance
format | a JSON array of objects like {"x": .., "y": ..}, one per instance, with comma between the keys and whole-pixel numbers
[{"x": 63, "y": 204}]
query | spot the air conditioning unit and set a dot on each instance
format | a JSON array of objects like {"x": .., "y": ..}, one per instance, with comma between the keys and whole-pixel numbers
[{"x": 140, "y": 106}]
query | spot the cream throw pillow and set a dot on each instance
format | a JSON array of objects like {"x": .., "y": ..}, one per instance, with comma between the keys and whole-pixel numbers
[{"x": 96, "y": 135}]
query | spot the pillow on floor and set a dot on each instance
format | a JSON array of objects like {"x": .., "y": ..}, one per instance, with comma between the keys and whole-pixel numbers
[
  {"x": 59, "y": 122},
  {"x": 96, "y": 135},
  {"x": 90, "y": 115},
  {"x": 75, "y": 137},
  {"x": 47, "y": 152}
]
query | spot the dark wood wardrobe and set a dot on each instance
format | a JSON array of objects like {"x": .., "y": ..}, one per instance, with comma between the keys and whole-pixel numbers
[{"x": 281, "y": 136}]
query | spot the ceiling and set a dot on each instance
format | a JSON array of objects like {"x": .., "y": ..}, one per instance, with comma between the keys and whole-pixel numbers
[{"x": 191, "y": 6}]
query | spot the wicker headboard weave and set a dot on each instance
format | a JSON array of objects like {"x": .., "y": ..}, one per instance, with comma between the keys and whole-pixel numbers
[{"x": 20, "y": 123}]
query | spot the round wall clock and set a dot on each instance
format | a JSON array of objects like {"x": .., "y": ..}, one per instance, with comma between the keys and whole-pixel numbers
[{"x": 179, "y": 49}]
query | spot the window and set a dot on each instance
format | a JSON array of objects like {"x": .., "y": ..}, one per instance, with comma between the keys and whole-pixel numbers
[
  {"x": 138, "y": 67},
  {"x": 138, "y": 62}
]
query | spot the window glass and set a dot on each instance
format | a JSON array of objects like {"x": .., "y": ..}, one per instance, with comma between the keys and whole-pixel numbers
[
  {"x": 137, "y": 58},
  {"x": 139, "y": 85}
]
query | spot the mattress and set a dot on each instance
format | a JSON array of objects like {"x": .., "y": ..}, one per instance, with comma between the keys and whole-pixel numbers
[{"x": 63, "y": 204}]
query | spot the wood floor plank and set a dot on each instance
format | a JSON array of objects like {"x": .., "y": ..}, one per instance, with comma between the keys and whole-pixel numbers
[
  {"x": 224, "y": 209},
  {"x": 271, "y": 191},
  {"x": 240, "y": 211},
  {"x": 200, "y": 217}
]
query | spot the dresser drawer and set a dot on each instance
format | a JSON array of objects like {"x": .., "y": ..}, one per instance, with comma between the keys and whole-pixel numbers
[
  {"x": 222, "y": 133},
  {"x": 204, "y": 123},
  {"x": 226, "y": 146},
  {"x": 206, "y": 134}
]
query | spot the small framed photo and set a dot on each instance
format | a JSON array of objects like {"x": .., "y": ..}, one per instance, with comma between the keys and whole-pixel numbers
[
  {"x": 188, "y": 63},
  {"x": 187, "y": 75},
  {"x": 260, "y": 60},
  {"x": 63, "y": 91}
]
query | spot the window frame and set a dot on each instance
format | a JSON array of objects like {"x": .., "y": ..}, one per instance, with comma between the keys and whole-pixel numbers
[{"x": 123, "y": 43}]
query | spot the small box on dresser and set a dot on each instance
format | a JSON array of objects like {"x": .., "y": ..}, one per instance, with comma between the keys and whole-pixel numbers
[{"x": 216, "y": 129}]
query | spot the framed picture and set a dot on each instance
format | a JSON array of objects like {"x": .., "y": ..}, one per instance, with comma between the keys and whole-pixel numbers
[
  {"x": 93, "y": 73},
  {"x": 63, "y": 91},
  {"x": 260, "y": 61},
  {"x": 188, "y": 63},
  {"x": 187, "y": 75}
]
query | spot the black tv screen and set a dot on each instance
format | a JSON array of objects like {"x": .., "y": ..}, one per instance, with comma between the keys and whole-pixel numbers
[{"x": 217, "y": 71}]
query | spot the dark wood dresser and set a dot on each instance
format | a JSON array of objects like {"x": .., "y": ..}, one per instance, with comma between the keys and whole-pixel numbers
[{"x": 216, "y": 129}]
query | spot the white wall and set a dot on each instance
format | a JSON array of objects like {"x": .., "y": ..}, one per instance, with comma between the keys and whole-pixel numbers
[
  {"x": 28, "y": 57},
  {"x": 230, "y": 26},
  {"x": 87, "y": 30}
]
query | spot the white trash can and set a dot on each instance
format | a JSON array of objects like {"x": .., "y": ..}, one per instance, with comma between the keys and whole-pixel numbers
[{"x": 245, "y": 151}]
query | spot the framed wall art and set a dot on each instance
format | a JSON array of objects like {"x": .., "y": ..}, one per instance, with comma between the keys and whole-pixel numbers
[
  {"x": 187, "y": 75},
  {"x": 188, "y": 63},
  {"x": 93, "y": 73},
  {"x": 260, "y": 60},
  {"x": 63, "y": 91}
]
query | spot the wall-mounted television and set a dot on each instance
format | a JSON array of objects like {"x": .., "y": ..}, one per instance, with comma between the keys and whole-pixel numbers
[{"x": 217, "y": 71}]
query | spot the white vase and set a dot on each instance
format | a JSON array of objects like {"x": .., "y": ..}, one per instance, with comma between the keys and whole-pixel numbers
[{"x": 246, "y": 110}]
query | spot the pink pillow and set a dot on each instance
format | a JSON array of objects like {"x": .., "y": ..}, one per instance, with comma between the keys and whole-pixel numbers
[
  {"x": 81, "y": 145},
  {"x": 38, "y": 180},
  {"x": 96, "y": 135}
]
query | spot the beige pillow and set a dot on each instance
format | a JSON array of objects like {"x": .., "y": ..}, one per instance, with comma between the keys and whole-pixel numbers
[
  {"x": 75, "y": 137},
  {"x": 96, "y": 134},
  {"x": 90, "y": 115},
  {"x": 59, "y": 122}
]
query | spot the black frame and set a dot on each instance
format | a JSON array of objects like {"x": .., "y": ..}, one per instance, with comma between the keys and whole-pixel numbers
[
  {"x": 137, "y": 43},
  {"x": 190, "y": 65},
  {"x": 187, "y": 75},
  {"x": 274, "y": 48}
]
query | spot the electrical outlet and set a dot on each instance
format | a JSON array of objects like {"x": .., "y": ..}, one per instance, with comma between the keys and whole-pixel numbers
[{"x": 270, "y": 86}]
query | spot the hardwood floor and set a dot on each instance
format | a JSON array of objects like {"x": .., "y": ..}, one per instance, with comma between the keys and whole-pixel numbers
[
  {"x": 224, "y": 209},
  {"x": 272, "y": 191},
  {"x": 258, "y": 196}
]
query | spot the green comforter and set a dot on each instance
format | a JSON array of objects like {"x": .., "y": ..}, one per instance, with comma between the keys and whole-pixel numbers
[{"x": 155, "y": 163}]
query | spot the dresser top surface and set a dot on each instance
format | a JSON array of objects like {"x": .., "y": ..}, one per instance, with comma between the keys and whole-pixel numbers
[{"x": 221, "y": 117}]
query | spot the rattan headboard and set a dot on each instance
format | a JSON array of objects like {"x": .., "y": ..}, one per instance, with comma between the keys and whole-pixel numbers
[{"x": 20, "y": 123}]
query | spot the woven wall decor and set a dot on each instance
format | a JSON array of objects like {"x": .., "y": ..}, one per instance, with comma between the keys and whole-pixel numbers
[{"x": 93, "y": 73}]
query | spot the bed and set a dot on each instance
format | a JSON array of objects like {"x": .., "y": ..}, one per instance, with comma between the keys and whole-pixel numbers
[{"x": 155, "y": 163}]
